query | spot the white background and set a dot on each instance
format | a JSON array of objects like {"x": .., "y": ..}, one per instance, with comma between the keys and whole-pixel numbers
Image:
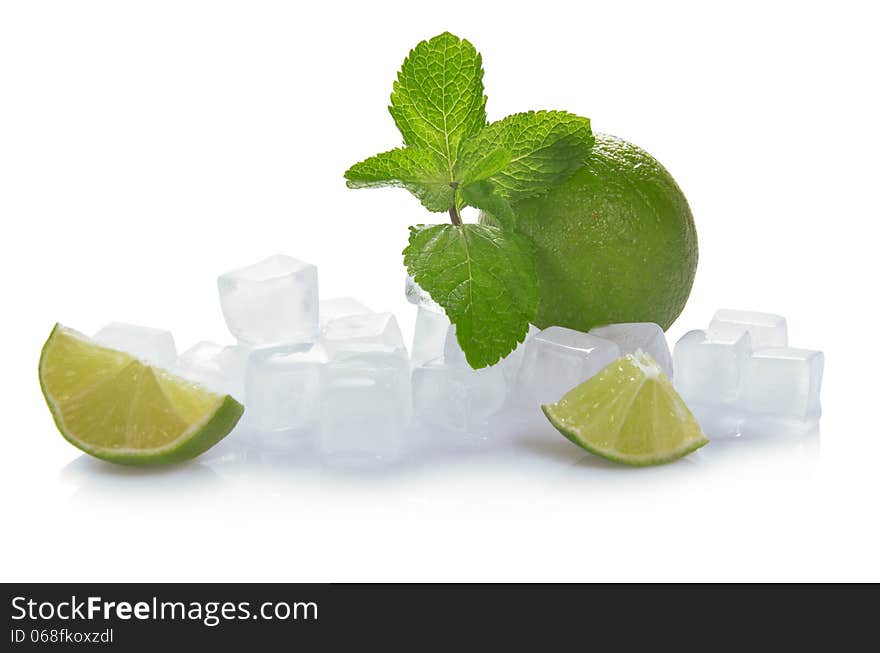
[{"x": 146, "y": 147}]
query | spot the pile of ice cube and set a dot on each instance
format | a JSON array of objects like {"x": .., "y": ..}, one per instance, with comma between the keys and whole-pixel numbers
[
  {"x": 331, "y": 368},
  {"x": 740, "y": 375},
  {"x": 336, "y": 372}
]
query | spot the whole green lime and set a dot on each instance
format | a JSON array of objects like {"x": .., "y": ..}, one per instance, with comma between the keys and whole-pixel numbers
[{"x": 615, "y": 243}]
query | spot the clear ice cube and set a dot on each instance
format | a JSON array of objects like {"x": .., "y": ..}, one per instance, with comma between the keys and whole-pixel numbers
[
  {"x": 718, "y": 421},
  {"x": 218, "y": 367},
  {"x": 454, "y": 396},
  {"x": 631, "y": 336},
  {"x": 415, "y": 295},
  {"x": 282, "y": 386},
  {"x": 557, "y": 359},
  {"x": 784, "y": 383},
  {"x": 453, "y": 354},
  {"x": 332, "y": 309},
  {"x": 365, "y": 407},
  {"x": 429, "y": 337},
  {"x": 764, "y": 329},
  {"x": 710, "y": 365},
  {"x": 152, "y": 345},
  {"x": 363, "y": 333},
  {"x": 271, "y": 302}
]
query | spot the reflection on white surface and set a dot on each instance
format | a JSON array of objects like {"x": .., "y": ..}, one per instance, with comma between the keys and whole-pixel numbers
[
  {"x": 516, "y": 456},
  {"x": 273, "y": 510},
  {"x": 96, "y": 481}
]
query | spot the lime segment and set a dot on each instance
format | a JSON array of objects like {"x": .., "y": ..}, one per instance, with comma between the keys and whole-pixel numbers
[
  {"x": 628, "y": 413},
  {"x": 121, "y": 409}
]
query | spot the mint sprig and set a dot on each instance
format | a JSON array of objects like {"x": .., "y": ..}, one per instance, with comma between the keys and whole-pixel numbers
[{"x": 484, "y": 277}]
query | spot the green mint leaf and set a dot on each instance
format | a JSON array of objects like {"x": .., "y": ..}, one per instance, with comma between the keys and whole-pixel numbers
[
  {"x": 480, "y": 165},
  {"x": 419, "y": 171},
  {"x": 484, "y": 195},
  {"x": 438, "y": 99},
  {"x": 485, "y": 279},
  {"x": 545, "y": 147}
]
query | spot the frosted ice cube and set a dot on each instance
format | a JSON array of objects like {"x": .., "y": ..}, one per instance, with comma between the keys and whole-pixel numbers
[
  {"x": 282, "y": 386},
  {"x": 710, "y": 365},
  {"x": 152, "y": 345},
  {"x": 219, "y": 368},
  {"x": 557, "y": 359},
  {"x": 784, "y": 383},
  {"x": 764, "y": 329},
  {"x": 331, "y": 309},
  {"x": 365, "y": 406},
  {"x": 429, "y": 336},
  {"x": 271, "y": 302},
  {"x": 457, "y": 397},
  {"x": 631, "y": 336},
  {"x": 363, "y": 333},
  {"x": 415, "y": 295}
]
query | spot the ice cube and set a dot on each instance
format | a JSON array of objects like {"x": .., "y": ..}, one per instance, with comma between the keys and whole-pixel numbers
[
  {"x": 271, "y": 302},
  {"x": 331, "y": 309},
  {"x": 219, "y": 368},
  {"x": 764, "y": 329},
  {"x": 365, "y": 406},
  {"x": 557, "y": 359},
  {"x": 453, "y": 354},
  {"x": 363, "y": 333},
  {"x": 429, "y": 336},
  {"x": 784, "y": 383},
  {"x": 718, "y": 421},
  {"x": 415, "y": 295},
  {"x": 282, "y": 386},
  {"x": 631, "y": 336},
  {"x": 154, "y": 346},
  {"x": 454, "y": 396},
  {"x": 509, "y": 365},
  {"x": 710, "y": 365}
]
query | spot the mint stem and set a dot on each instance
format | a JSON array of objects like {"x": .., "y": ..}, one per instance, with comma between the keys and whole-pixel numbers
[{"x": 454, "y": 216}]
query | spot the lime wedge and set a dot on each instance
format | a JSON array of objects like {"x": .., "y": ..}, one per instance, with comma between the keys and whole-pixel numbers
[
  {"x": 629, "y": 413},
  {"x": 118, "y": 408}
]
